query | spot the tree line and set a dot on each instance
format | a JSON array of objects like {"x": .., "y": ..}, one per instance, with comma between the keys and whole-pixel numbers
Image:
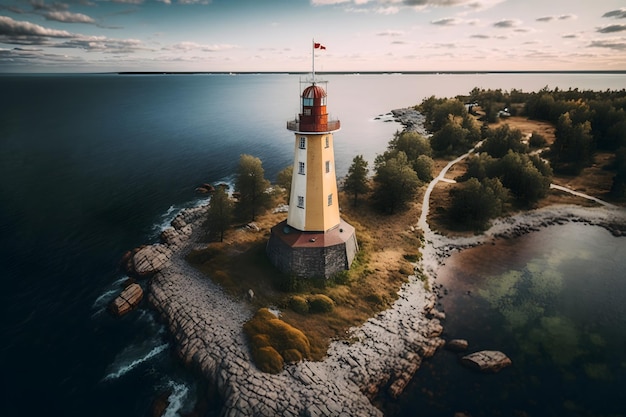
[{"x": 506, "y": 170}]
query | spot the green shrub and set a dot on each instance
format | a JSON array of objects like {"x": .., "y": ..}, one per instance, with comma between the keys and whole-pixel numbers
[
  {"x": 375, "y": 299},
  {"x": 320, "y": 303},
  {"x": 537, "y": 140},
  {"x": 342, "y": 278},
  {"x": 299, "y": 304},
  {"x": 412, "y": 257}
]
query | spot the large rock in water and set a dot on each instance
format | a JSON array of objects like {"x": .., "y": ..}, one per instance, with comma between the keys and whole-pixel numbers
[
  {"x": 486, "y": 360},
  {"x": 151, "y": 260},
  {"x": 457, "y": 345},
  {"x": 127, "y": 300}
]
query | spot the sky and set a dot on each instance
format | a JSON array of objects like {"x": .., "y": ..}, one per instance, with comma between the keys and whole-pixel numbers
[{"x": 277, "y": 35}]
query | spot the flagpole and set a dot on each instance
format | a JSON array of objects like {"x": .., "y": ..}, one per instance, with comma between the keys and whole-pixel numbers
[{"x": 313, "y": 59}]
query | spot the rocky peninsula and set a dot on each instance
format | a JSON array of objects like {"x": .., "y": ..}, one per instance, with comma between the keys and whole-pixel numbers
[
  {"x": 382, "y": 354},
  {"x": 206, "y": 324}
]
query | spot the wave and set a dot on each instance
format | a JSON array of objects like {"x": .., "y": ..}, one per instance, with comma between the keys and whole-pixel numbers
[
  {"x": 164, "y": 221},
  {"x": 178, "y": 399},
  {"x": 101, "y": 302},
  {"x": 130, "y": 358}
]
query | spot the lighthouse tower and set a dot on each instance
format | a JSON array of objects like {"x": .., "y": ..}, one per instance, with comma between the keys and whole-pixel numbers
[{"x": 314, "y": 241}]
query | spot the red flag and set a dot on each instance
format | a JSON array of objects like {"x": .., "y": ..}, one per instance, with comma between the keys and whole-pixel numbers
[{"x": 319, "y": 46}]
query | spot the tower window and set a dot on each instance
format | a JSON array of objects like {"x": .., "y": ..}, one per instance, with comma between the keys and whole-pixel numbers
[
  {"x": 306, "y": 112},
  {"x": 327, "y": 142},
  {"x": 301, "y": 168},
  {"x": 307, "y": 101},
  {"x": 327, "y": 166},
  {"x": 330, "y": 199},
  {"x": 301, "y": 201},
  {"x": 302, "y": 143}
]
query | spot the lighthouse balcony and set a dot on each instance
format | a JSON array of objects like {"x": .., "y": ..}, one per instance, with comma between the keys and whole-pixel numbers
[{"x": 297, "y": 126}]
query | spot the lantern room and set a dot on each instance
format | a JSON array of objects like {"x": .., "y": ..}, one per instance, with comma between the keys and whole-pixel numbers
[{"x": 313, "y": 117}]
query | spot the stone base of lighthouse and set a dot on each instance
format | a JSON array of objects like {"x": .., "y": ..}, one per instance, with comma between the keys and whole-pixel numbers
[{"x": 312, "y": 254}]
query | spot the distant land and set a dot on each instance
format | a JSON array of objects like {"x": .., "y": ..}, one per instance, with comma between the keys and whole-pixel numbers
[{"x": 368, "y": 72}]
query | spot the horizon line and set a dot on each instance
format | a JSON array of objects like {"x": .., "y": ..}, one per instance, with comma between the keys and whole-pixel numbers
[{"x": 156, "y": 72}]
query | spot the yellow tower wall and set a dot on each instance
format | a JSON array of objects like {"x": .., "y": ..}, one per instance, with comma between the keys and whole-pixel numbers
[{"x": 315, "y": 186}]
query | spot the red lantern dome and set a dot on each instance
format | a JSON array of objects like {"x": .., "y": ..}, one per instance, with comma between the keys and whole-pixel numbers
[{"x": 313, "y": 116}]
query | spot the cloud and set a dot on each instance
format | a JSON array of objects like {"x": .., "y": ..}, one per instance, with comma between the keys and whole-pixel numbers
[
  {"x": 41, "y": 5},
  {"x": 447, "y": 21},
  {"x": 480, "y": 36},
  {"x": 103, "y": 44},
  {"x": 474, "y": 4},
  {"x": 387, "y": 10},
  {"x": 611, "y": 28},
  {"x": 128, "y": 1},
  {"x": 390, "y": 33},
  {"x": 560, "y": 17},
  {"x": 507, "y": 23},
  {"x": 68, "y": 17},
  {"x": 193, "y": 46},
  {"x": 27, "y": 33},
  {"x": 617, "y": 44},
  {"x": 617, "y": 14}
]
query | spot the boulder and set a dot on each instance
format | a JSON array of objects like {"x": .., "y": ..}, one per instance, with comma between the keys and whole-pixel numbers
[
  {"x": 457, "y": 345},
  {"x": 127, "y": 300},
  {"x": 151, "y": 259},
  {"x": 486, "y": 361}
]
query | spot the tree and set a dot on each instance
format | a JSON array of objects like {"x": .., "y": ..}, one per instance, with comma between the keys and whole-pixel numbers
[
  {"x": 618, "y": 188},
  {"x": 423, "y": 167},
  {"x": 501, "y": 140},
  {"x": 356, "y": 181},
  {"x": 450, "y": 138},
  {"x": 283, "y": 180},
  {"x": 251, "y": 185},
  {"x": 442, "y": 112},
  {"x": 519, "y": 174},
  {"x": 475, "y": 202},
  {"x": 220, "y": 213},
  {"x": 572, "y": 149},
  {"x": 396, "y": 183},
  {"x": 412, "y": 144}
]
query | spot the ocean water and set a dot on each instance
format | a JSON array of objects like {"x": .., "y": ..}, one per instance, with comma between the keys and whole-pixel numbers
[{"x": 94, "y": 165}]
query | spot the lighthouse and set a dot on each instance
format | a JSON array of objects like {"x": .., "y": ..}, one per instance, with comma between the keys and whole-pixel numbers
[{"x": 314, "y": 241}]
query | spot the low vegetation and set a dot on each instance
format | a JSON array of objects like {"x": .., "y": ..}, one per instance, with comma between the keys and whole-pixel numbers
[{"x": 274, "y": 342}]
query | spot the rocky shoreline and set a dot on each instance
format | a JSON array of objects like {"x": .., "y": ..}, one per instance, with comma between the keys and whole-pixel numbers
[
  {"x": 382, "y": 354},
  {"x": 206, "y": 325}
]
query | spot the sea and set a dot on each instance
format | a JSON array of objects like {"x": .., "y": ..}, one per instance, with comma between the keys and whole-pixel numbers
[{"x": 92, "y": 165}]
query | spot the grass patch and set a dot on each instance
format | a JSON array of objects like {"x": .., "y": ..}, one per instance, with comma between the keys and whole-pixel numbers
[{"x": 323, "y": 309}]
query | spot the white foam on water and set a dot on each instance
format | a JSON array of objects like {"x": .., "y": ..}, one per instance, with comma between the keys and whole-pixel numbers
[
  {"x": 170, "y": 214},
  {"x": 177, "y": 399},
  {"x": 165, "y": 219},
  {"x": 100, "y": 303},
  {"x": 130, "y": 358}
]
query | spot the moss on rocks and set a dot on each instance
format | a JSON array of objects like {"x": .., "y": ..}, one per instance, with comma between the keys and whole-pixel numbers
[{"x": 273, "y": 341}]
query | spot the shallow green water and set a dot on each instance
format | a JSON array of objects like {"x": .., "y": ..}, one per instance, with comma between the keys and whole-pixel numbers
[{"x": 555, "y": 302}]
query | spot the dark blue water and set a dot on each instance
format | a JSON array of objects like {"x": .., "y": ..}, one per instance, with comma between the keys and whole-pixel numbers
[{"x": 94, "y": 165}]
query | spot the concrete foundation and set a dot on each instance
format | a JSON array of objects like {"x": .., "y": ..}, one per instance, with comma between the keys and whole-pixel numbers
[{"x": 312, "y": 254}]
